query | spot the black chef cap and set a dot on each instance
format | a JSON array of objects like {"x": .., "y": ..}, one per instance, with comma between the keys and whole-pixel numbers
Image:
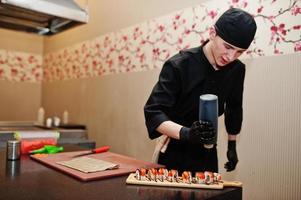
[{"x": 236, "y": 27}]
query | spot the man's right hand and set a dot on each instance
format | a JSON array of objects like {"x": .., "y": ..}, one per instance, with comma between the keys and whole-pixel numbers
[{"x": 200, "y": 132}]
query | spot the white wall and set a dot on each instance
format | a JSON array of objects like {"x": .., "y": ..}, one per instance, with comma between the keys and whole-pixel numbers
[{"x": 269, "y": 144}]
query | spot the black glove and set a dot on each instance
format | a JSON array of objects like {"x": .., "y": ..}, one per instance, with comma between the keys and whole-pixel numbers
[
  {"x": 232, "y": 156},
  {"x": 200, "y": 132}
]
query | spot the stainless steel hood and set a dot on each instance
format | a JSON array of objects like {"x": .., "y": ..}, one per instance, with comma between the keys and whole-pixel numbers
[{"x": 44, "y": 17}]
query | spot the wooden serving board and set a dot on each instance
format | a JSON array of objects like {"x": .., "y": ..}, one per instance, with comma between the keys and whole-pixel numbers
[
  {"x": 126, "y": 164},
  {"x": 132, "y": 180}
]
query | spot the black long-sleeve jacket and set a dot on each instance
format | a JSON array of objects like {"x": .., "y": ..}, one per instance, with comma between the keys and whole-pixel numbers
[
  {"x": 183, "y": 79},
  {"x": 175, "y": 97}
]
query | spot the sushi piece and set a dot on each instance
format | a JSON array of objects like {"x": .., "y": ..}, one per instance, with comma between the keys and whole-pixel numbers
[
  {"x": 208, "y": 177},
  {"x": 162, "y": 174},
  {"x": 217, "y": 177},
  {"x": 173, "y": 176},
  {"x": 186, "y": 177},
  {"x": 140, "y": 174},
  {"x": 165, "y": 173},
  {"x": 152, "y": 174},
  {"x": 200, "y": 177}
]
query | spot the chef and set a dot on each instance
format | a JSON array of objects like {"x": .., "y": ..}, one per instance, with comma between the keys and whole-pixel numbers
[{"x": 212, "y": 68}]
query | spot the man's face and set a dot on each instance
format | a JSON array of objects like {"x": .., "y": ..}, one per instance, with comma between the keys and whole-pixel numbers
[{"x": 224, "y": 53}]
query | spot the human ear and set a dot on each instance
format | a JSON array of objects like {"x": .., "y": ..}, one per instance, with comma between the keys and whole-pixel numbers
[{"x": 212, "y": 33}]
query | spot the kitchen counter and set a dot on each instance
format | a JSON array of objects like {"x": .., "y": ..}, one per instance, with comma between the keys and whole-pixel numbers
[
  {"x": 12, "y": 126},
  {"x": 28, "y": 179},
  {"x": 69, "y": 133}
]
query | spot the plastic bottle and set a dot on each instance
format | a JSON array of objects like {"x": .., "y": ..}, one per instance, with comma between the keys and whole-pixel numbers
[
  {"x": 41, "y": 116},
  {"x": 65, "y": 117},
  {"x": 49, "y": 122}
]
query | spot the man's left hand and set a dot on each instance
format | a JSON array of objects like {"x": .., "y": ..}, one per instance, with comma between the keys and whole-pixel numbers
[{"x": 232, "y": 156}]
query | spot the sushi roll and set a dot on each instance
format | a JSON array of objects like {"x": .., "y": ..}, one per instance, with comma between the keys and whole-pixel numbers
[
  {"x": 186, "y": 177},
  {"x": 208, "y": 177},
  {"x": 217, "y": 177},
  {"x": 162, "y": 174},
  {"x": 143, "y": 173},
  {"x": 200, "y": 177},
  {"x": 173, "y": 176},
  {"x": 152, "y": 174},
  {"x": 165, "y": 172},
  {"x": 140, "y": 174}
]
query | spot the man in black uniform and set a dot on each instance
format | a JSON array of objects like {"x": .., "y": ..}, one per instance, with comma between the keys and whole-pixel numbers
[{"x": 213, "y": 68}]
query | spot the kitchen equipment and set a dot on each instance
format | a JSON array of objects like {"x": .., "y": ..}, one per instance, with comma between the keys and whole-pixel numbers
[
  {"x": 13, "y": 150},
  {"x": 12, "y": 168},
  {"x": 126, "y": 164},
  {"x": 94, "y": 151},
  {"x": 208, "y": 111},
  {"x": 44, "y": 17},
  {"x": 32, "y": 140}
]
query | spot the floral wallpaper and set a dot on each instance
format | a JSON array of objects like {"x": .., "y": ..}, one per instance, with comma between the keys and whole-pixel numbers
[
  {"x": 20, "y": 66},
  {"x": 147, "y": 45}
]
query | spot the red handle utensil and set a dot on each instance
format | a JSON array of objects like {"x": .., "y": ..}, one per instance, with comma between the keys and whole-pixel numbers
[{"x": 94, "y": 151}]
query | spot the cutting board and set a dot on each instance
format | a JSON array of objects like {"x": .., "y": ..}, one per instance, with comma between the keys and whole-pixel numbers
[
  {"x": 126, "y": 164},
  {"x": 132, "y": 180}
]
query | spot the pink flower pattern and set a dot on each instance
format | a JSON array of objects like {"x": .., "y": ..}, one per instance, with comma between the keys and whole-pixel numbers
[
  {"x": 20, "y": 67},
  {"x": 298, "y": 47},
  {"x": 146, "y": 46}
]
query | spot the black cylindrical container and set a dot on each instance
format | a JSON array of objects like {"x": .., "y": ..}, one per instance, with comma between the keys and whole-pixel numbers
[{"x": 208, "y": 111}]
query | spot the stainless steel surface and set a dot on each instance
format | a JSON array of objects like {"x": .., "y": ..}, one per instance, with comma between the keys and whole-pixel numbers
[
  {"x": 17, "y": 123},
  {"x": 13, "y": 150},
  {"x": 69, "y": 133},
  {"x": 12, "y": 168},
  {"x": 44, "y": 17}
]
